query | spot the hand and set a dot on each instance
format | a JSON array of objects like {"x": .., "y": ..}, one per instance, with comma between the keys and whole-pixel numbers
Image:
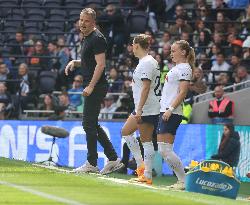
[
  {"x": 138, "y": 115},
  {"x": 87, "y": 91},
  {"x": 166, "y": 115},
  {"x": 69, "y": 67}
]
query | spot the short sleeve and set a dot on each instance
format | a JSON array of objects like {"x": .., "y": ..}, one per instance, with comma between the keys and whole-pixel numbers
[
  {"x": 185, "y": 73},
  {"x": 147, "y": 72},
  {"x": 100, "y": 45}
]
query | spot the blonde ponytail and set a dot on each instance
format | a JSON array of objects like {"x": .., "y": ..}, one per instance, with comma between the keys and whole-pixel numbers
[{"x": 191, "y": 58}]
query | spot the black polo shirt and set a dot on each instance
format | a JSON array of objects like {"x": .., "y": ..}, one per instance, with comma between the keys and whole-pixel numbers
[{"x": 93, "y": 44}]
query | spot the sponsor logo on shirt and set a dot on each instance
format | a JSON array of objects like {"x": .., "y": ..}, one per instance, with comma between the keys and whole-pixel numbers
[{"x": 184, "y": 74}]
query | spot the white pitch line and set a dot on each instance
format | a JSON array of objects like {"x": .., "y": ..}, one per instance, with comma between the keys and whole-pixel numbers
[
  {"x": 52, "y": 168},
  {"x": 124, "y": 181},
  {"x": 42, "y": 194}
]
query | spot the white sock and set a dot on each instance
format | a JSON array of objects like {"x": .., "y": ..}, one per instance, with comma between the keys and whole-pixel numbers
[
  {"x": 166, "y": 151},
  {"x": 134, "y": 147},
  {"x": 149, "y": 154}
]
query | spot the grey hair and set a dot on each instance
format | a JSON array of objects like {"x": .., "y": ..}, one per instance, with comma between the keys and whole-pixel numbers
[{"x": 89, "y": 11}]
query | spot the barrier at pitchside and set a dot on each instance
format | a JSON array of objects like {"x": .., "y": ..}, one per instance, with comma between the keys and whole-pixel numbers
[
  {"x": 214, "y": 178},
  {"x": 24, "y": 140}
]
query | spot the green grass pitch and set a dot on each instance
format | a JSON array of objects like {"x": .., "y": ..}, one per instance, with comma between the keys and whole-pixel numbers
[{"x": 22, "y": 183}]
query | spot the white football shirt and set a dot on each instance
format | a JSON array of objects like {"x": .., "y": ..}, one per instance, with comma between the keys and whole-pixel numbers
[
  {"x": 147, "y": 68},
  {"x": 170, "y": 90}
]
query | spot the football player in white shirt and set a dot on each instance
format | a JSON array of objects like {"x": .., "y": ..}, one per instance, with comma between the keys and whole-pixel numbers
[
  {"x": 146, "y": 93},
  {"x": 174, "y": 92}
]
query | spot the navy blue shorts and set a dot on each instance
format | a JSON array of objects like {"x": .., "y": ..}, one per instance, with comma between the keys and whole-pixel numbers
[
  {"x": 151, "y": 119},
  {"x": 169, "y": 126}
]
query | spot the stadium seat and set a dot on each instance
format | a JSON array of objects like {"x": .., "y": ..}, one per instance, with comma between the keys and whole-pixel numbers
[
  {"x": 55, "y": 25},
  {"x": 15, "y": 14},
  {"x": 116, "y": 2},
  {"x": 8, "y": 3},
  {"x": 9, "y": 30},
  {"x": 1, "y": 39},
  {"x": 10, "y": 38},
  {"x": 31, "y": 3},
  {"x": 30, "y": 24},
  {"x": 33, "y": 25},
  {"x": 8, "y": 25},
  {"x": 52, "y": 3},
  {"x": 74, "y": 14},
  {"x": 36, "y": 14},
  {"x": 47, "y": 81},
  {"x": 57, "y": 14},
  {"x": 32, "y": 30},
  {"x": 73, "y": 3},
  {"x": 97, "y": 3},
  {"x": 137, "y": 22}
]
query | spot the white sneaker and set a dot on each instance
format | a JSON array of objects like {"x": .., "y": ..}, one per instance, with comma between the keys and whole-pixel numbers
[
  {"x": 112, "y": 166},
  {"x": 177, "y": 186},
  {"x": 86, "y": 168}
]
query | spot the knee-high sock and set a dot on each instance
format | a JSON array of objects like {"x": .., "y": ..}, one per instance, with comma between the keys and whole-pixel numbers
[
  {"x": 134, "y": 147},
  {"x": 166, "y": 151},
  {"x": 149, "y": 154}
]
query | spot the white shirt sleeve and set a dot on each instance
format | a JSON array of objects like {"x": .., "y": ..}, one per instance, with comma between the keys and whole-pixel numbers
[
  {"x": 185, "y": 73},
  {"x": 147, "y": 72}
]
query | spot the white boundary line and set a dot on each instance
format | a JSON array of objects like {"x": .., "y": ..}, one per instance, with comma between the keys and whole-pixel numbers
[
  {"x": 125, "y": 181},
  {"x": 41, "y": 194}
]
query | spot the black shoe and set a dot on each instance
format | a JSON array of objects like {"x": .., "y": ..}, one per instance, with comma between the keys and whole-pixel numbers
[
  {"x": 132, "y": 164},
  {"x": 123, "y": 170},
  {"x": 154, "y": 174}
]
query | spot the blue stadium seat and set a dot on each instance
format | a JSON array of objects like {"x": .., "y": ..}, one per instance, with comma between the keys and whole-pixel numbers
[
  {"x": 57, "y": 14},
  {"x": 12, "y": 24},
  {"x": 55, "y": 27},
  {"x": 137, "y": 22},
  {"x": 73, "y": 3},
  {"x": 36, "y": 14},
  {"x": 74, "y": 14},
  {"x": 97, "y": 3},
  {"x": 31, "y": 30},
  {"x": 15, "y": 14},
  {"x": 116, "y": 2},
  {"x": 52, "y": 3},
  {"x": 8, "y": 3},
  {"x": 47, "y": 81},
  {"x": 1, "y": 37},
  {"x": 10, "y": 38},
  {"x": 32, "y": 26},
  {"x": 31, "y": 3}
]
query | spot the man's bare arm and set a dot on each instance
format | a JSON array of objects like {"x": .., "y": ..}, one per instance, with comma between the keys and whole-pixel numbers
[{"x": 100, "y": 65}]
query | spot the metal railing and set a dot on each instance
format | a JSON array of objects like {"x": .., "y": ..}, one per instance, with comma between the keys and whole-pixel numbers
[
  {"x": 68, "y": 112},
  {"x": 231, "y": 88},
  {"x": 69, "y": 115}
]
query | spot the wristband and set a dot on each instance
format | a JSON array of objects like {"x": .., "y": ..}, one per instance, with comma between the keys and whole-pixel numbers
[{"x": 171, "y": 108}]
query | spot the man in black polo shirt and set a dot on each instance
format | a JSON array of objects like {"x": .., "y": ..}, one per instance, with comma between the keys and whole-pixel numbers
[{"x": 92, "y": 62}]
